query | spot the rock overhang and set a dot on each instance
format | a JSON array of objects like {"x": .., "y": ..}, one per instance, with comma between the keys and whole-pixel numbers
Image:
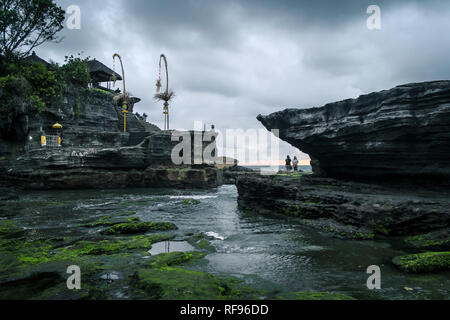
[{"x": 404, "y": 131}]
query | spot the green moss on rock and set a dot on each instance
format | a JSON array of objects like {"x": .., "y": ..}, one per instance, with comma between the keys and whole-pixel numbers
[
  {"x": 191, "y": 202},
  {"x": 139, "y": 227},
  {"x": 176, "y": 283},
  {"x": 204, "y": 245},
  {"x": 8, "y": 227},
  {"x": 428, "y": 241},
  {"x": 174, "y": 258},
  {"x": 109, "y": 221},
  {"x": 423, "y": 262},
  {"x": 22, "y": 254},
  {"x": 200, "y": 242}
]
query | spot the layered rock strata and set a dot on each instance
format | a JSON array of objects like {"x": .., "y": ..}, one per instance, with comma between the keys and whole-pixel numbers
[
  {"x": 402, "y": 132},
  {"x": 349, "y": 209}
]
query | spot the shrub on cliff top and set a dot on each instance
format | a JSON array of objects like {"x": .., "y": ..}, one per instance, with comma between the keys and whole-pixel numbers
[
  {"x": 46, "y": 85},
  {"x": 12, "y": 87},
  {"x": 23, "y": 82},
  {"x": 29, "y": 83},
  {"x": 75, "y": 71}
]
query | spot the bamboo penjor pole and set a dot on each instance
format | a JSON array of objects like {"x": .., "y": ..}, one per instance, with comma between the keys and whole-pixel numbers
[{"x": 125, "y": 95}]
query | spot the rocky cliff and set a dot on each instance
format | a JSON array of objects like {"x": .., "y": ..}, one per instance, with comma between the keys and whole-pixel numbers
[
  {"x": 402, "y": 132},
  {"x": 95, "y": 152},
  {"x": 148, "y": 164},
  {"x": 89, "y": 117}
]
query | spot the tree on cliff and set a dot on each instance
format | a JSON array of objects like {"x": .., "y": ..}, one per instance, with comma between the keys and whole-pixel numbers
[{"x": 26, "y": 24}]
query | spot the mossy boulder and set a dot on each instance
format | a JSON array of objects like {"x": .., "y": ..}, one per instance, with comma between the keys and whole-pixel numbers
[
  {"x": 423, "y": 262},
  {"x": 109, "y": 221},
  {"x": 176, "y": 283},
  {"x": 135, "y": 227},
  {"x": 174, "y": 258},
  {"x": 200, "y": 242},
  {"x": 436, "y": 241},
  {"x": 17, "y": 254}
]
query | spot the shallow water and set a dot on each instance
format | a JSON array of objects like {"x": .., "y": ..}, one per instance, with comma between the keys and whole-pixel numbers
[{"x": 268, "y": 252}]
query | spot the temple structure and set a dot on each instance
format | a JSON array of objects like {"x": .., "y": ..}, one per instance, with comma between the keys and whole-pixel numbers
[{"x": 100, "y": 73}]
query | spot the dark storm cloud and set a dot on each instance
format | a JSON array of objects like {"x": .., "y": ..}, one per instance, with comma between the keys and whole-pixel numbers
[
  {"x": 177, "y": 23},
  {"x": 210, "y": 17},
  {"x": 233, "y": 59},
  {"x": 326, "y": 13}
]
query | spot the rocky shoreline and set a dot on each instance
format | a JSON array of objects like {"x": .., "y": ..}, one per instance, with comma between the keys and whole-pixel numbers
[
  {"x": 412, "y": 218},
  {"x": 348, "y": 209},
  {"x": 381, "y": 170},
  {"x": 113, "y": 254}
]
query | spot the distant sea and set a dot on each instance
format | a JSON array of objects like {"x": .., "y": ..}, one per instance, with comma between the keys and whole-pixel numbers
[{"x": 280, "y": 168}]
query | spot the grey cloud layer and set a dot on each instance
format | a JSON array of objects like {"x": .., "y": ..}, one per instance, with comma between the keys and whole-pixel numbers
[{"x": 231, "y": 60}]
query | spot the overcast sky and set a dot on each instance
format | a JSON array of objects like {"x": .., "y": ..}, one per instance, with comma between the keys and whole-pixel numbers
[{"x": 232, "y": 60}]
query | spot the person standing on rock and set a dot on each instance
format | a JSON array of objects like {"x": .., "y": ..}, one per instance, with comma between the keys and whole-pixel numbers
[
  {"x": 295, "y": 162},
  {"x": 288, "y": 164}
]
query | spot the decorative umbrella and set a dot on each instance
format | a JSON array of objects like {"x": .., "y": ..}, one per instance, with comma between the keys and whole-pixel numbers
[{"x": 58, "y": 127}]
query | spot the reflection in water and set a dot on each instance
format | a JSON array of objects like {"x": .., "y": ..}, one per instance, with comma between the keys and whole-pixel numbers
[{"x": 170, "y": 246}]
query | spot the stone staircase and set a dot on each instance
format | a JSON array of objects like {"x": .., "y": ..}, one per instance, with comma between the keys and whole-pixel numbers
[{"x": 133, "y": 124}]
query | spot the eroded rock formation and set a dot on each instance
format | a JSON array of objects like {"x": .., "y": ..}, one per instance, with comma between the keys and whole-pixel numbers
[
  {"x": 95, "y": 151},
  {"x": 379, "y": 138},
  {"x": 348, "y": 209},
  {"x": 402, "y": 132},
  {"x": 148, "y": 164}
]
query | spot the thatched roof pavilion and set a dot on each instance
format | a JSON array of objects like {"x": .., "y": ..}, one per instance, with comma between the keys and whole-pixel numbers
[
  {"x": 35, "y": 59},
  {"x": 101, "y": 73}
]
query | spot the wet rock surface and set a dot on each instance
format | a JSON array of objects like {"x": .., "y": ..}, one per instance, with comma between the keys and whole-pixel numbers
[
  {"x": 402, "y": 132},
  {"x": 349, "y": 209},
  {"x": 114, "y": 179},
  {"x": 230, "y": 175},
  {"x": 148, "y": 164},
  {"x": 8, "y": 194}
]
